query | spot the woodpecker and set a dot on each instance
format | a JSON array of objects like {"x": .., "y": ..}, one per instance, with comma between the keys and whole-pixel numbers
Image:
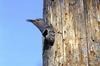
[{"x": 46, "y": 30}]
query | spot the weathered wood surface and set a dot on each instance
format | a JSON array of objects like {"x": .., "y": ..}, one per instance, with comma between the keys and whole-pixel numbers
[{"x": 77, "y": 27}]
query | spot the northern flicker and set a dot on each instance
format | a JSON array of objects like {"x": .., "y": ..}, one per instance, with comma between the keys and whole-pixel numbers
[{"x": 46, "y": 30}]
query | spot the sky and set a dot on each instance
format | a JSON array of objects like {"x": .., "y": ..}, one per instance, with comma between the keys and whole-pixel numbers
[{"x": 20, "y": 41}]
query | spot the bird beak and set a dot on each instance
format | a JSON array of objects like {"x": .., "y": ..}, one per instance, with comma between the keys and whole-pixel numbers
[{"x": 29, "y": 20}]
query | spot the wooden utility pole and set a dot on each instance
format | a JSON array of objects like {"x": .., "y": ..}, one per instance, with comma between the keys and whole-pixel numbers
[{"x": 77, "y": 32}]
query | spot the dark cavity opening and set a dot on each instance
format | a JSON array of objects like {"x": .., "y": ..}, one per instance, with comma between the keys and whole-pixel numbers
[
  {"x": 45, "y": 33},
  {"x": 52, "y": 0}
]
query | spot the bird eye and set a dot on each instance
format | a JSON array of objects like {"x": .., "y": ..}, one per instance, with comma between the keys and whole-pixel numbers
[
  {"x": 45, "y": 33},
  {"x": 37, "y": 19}
]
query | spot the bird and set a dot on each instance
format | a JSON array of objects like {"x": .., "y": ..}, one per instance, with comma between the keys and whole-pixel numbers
[{"x": 47, "y": 31}]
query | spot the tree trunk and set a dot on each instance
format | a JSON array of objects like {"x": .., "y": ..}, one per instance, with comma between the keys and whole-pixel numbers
[{"x": 77, "y": 32}]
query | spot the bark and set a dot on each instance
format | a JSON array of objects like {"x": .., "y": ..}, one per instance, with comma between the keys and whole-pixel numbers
[{"x": 77, "y": 29}]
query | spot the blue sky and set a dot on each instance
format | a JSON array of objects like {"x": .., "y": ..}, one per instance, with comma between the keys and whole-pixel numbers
[{"x": 20, "y": 41}]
